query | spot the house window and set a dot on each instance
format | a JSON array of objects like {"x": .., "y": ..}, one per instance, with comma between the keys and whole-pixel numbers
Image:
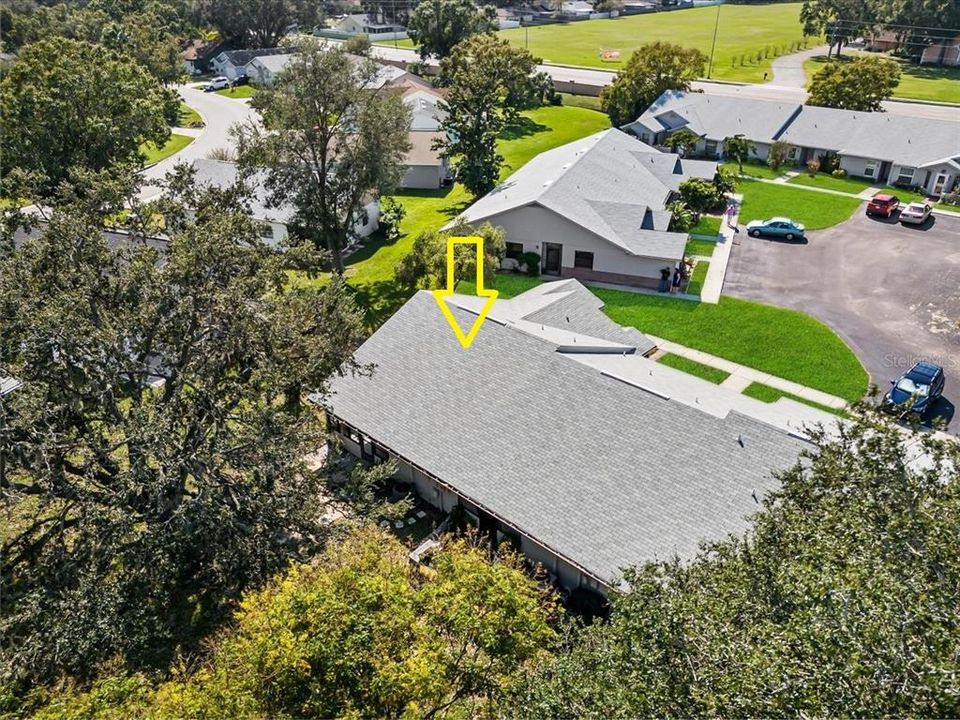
[
  {"x": 265, "y": 230},
  {"x": 583, "y": 259},
  {"x": 645, "y": 138},
  {"x": 711, "y": 147},
  {"x": 515, "y": 251},
  {"x": 363, "y": 218},
  {"x": 905, "y": 175},
  {"x": 792, "y": 155},
  {"x": 870, "y": 170}
]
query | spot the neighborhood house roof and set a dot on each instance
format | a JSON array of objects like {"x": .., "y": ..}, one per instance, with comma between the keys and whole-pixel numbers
[
  {"x": 223, "y": 175},
  {"x": 554, "y": 422},
  {"x": 239, "y": 58},
  {"x": 422, "y": 151},
  {"x": 609, "y": 184},
  {"x": 274, "y": 63},
  {"x": 901, "y": 139}
]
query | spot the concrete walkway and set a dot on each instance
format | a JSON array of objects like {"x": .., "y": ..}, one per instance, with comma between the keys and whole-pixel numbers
[
  {"x": 741, "y": 376},
  {"x": 713, "y": 283},
  {"x": 788, "y": 69}
]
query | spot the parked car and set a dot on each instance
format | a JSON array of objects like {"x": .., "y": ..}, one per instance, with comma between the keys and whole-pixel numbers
[
  {"x": 916, "y": 213},
  {"x": 916, "y": 390},
  {"x": 217, "y": 83},
  {"x": 776, "y": 227},
  {"x": 883, "y": 204}
]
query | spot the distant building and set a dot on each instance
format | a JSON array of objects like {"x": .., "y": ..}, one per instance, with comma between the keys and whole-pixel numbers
[
  {"x": 273, "y": 222},
  {"x": 263, "y": 71},
  {"x": 198, "y": 55},
  {"x": 944, "y": 52},
  {"x": 369, "y": 25},
  {"x": 232, "y": 64},
  {"x": 887, "y": 148}
]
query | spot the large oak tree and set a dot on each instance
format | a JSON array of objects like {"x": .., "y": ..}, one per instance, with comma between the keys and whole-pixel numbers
[
  {"x": 332, "y": 138},
  {"x": 153, "y": 456}
]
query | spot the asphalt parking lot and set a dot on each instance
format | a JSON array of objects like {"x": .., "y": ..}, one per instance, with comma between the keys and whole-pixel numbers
[{"x": 891, "y": 291}]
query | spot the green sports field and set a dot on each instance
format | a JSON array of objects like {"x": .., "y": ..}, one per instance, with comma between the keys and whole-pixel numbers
[{"x": 745, "y": 32}]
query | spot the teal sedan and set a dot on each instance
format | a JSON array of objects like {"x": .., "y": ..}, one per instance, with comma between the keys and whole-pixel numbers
[{"x": 776, "y": 227}]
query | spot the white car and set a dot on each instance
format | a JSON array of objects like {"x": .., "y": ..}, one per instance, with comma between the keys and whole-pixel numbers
[
  {"x": 218, "y": 83},
  {"x": 916, "y": 213}
]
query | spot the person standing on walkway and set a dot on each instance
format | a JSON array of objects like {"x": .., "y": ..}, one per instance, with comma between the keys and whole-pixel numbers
[
  {"x": 664, "y": 280},
  {"x": 675, "y": 288}
]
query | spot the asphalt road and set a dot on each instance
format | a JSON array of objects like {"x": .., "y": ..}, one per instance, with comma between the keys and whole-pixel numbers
[
  {"x": 787, "y": 92},
  {"x": 219, "y": 114},
  {"x": 891, "y": 291}
]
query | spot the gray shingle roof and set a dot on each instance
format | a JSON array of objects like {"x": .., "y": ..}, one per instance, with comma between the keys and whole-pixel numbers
[
  {"x": 604, "y": 473},
  {"x": 902, "y": 139},
  {"x": 717, "y": 117},
  {"x": 221, "y": 174},
  {"x": 605, "y": 183}
]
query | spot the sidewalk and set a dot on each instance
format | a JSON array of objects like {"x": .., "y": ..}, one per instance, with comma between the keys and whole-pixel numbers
[
  {"x": 713, "y": 282},
  {"x": 741, "y": 375}
]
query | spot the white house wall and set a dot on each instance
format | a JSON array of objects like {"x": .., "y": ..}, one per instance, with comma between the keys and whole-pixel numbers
[{"x": 533, "y": 225}]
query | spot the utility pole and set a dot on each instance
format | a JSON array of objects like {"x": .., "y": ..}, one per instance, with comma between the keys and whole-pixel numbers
[{"x": 713, "y": 46}]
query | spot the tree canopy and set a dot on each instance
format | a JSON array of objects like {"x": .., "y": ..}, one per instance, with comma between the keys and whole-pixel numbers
[
  {"x": 859, "y": 84},
  {"x": 425, "y": 266},
  {"x": 488, "y": 83},
  {"x": 153, "y": 456},
  {"x": 653, "y": 69},
  {"x": 357, "y": 633},
  {"x": 437, "y": 26},
  {"x": 57, "y": 119},
  {"x": 841, "y": 600},
  {"x": 332, "y": 138},
  {"x": 257, "y": 23}
]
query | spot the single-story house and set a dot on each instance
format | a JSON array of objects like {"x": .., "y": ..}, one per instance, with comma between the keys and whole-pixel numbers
[
  {"x": 273, "y": 221},
  {"x": 364, "y": 24},
  {"x": 426, "y": 168},
  {"x": 887, "y": 148},
  {"x": 199, "y": 54},
  {"x": 594, "y": 209},
  {"x": 882, "y": 41},
  {"x": 232, "y": 64},
  {"x": 944, "y": 52},
  {"x": 555, "y": 433},
  {"x": 263, "y": 70}
]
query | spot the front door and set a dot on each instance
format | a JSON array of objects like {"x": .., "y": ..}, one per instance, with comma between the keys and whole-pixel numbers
[
  {"x": 939, "y": 184},
  {"x": 552, "y": 256}
]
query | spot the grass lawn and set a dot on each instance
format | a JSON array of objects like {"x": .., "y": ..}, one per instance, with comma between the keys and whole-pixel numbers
[
  {"x": 782, "y": 342},
  {"x": 744, "y": 30},
  {"x": 699, "y": 247},
  {"x": 699, "y": 275},
  {"x": 239, "y": 92},
  {"x": 814, "y": 209},
  {"x": 189, "y": 117},
  {"x": 707, "y": 225},
  {"x": 692, "y": 367},
  {"x": 508, "y": 284},
  {"x": 852, "y": 185},
  {"x": 175, "y": 144},
  {"x": 917, "y": 82},
  {"x": 370, "y": 271},
  {"x": 756, "y": 169},
  {"x": 584, "y": 101},
  {"x": 769, "y": 394}
]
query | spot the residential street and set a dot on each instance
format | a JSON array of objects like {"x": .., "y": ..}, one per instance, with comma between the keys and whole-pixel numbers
[
  {"x": 219, "y": 115},
  {"x": 781, "y": 90},
  {"x": 892, "y": 292}
]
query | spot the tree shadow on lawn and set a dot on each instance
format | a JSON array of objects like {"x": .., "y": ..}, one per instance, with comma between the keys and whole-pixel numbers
[
  {"x": 524, "y": 127},
  {"x": 379, "y": 300}
]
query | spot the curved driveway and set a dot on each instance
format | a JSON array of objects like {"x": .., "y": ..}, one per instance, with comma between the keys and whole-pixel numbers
[
  {"x": 219, "y": 114},
  {"x": 892, "y": 292}
]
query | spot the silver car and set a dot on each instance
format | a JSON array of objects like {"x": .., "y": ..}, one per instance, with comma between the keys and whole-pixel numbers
[{"x": 916, "y": 213}]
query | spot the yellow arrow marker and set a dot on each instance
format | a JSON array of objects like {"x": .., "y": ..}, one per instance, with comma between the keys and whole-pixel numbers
[{"x": 491, "y": 295}]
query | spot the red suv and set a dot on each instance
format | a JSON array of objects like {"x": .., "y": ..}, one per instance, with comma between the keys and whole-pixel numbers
[{"x": 883, "y": 204}]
